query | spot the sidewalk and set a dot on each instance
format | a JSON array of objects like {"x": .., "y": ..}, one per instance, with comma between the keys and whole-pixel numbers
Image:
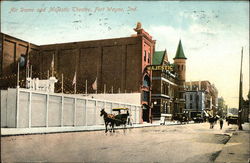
[
  {"x": 44, "y": 130},
  {"x": 237, "y": 149}
]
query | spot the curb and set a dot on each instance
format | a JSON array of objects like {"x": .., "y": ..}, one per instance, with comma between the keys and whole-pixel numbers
[{"x": 5, "y": 132}]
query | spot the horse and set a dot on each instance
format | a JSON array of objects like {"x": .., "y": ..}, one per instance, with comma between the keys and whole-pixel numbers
[{"x": 108, "y": 118}]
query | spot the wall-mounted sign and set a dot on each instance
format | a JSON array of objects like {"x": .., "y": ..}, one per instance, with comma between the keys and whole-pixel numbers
[{"x": 157, "y": 67}]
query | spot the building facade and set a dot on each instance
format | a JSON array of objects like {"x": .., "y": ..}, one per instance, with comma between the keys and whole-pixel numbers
[
  {"x": 112, "y": 65},
  {"x": 222, "y": 107},
  {"x": 195, "y": 103},
  {"x": 12, "y": 51},
  {"x": 168, "y": 84},
  {"x": 210, "y": 92}
]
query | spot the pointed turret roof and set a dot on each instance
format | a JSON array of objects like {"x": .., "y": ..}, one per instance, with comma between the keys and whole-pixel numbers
[{"x": 179, "y": 53}]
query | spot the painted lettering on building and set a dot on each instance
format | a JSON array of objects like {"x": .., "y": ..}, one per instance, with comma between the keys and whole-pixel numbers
[{"x": 156, "y": 67}]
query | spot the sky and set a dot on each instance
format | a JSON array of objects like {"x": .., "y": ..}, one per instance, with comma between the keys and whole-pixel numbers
[{"x": 212, "y": 32}]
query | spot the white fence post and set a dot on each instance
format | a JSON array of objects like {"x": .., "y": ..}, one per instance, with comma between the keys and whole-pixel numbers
[
  {"x": 135, "y": 114},
  {"x": 30, "y": 109},
  {"x": 17, "y": 106},
  {"x": 86, "y": 117},
  {"x": 47, "y": 110},
  {"x": 95, "y": 112},
  {"x": 74, "y": 112},
  {"x": 62, "y": 111}
]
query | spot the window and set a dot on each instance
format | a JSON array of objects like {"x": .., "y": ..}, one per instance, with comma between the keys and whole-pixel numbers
[
  {"x": 145, "y": 55},
  {"x": 148, "y": 57},
  {"x": 145, "y": 96},
  {"x": 146, "y": 81},
  {"x": 191, "y": 97},
  {"x": 191, "y": 106}
]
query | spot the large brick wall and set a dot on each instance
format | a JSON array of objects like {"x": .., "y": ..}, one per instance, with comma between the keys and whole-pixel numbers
[
  {"x": 11, "y": 50},
  {"x": 118, "y": 63},
  {"x": 114, "y": 62}
]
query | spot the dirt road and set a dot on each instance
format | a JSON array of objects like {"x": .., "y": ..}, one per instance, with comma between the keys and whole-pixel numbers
[{"x": 177, "y": 143}]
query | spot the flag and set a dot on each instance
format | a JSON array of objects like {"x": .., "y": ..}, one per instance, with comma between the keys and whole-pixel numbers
[
  {"x": 27, "y": 61},
  {"x": 94, "y": 85},
  {"x": 74, "y": 79},
  {"x": 52, "y": 63},
  {"x": 52, "y": 66}
]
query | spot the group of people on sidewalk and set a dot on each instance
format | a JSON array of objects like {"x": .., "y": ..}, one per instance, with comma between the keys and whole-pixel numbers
[{"x": 213, "y": 121}]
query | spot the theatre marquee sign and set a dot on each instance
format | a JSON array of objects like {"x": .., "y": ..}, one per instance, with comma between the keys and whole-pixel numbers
[{"x": 169, "y": 67}]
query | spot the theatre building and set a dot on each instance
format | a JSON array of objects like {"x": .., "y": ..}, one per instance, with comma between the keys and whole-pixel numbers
[
  {"x": 113, "y": 65},
  {"x": 168, "y": 84}
]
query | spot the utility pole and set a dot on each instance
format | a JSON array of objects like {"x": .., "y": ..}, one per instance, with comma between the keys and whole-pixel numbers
[{"x": 240, "y": 95}]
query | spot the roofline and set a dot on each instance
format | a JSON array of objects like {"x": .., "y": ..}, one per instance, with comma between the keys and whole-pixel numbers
[
  {"x": 119, "y": 38},
  {"x": 39, "y": 45},
  {"x": 18, "y": 39}
]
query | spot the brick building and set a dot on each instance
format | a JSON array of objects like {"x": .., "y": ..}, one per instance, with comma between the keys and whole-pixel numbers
[
  {"x": 168, "y": 85},
  {"x": 116, "y": 65},
  {"x": 12, "y": 49}
]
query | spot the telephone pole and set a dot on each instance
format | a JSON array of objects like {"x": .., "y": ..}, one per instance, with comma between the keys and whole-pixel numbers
[{"x": 240, "y": 95}]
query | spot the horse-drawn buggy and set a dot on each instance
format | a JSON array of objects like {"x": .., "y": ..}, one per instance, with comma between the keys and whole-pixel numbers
[{"x": 120, "y": 117}]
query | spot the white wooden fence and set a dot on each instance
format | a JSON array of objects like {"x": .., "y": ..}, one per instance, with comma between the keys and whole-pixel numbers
[{"x": 24, "y": 108}]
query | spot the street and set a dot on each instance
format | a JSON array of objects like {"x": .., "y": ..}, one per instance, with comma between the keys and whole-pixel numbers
[{"x": 176, "y": 143}]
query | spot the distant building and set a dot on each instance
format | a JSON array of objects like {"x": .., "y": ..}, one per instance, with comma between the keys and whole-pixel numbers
[
  {"x": 195, "y": 103},
  {"x": 210, "y": 91},
  {"x": 232, "y": 111},
  {"x": 222, "y": 107}
]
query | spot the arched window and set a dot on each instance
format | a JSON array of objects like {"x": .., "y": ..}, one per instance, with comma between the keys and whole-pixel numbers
[{"x": 146, "y": 81}]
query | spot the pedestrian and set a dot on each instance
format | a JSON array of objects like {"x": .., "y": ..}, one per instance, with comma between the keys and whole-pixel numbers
[{"x": 221, "y": 123}]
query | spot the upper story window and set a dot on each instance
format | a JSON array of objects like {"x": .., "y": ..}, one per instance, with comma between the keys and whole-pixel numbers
[
  {"x": 191, "y": 97},
  {"x": 148, "y": 57},
  {"x": 145, "y": 55}
]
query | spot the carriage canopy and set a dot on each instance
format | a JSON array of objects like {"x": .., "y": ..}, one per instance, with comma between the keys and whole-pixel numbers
[{"x": 119, "y": 109}]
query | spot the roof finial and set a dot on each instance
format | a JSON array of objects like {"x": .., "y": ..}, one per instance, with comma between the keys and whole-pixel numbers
[{"x": 138, "y": 26}]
